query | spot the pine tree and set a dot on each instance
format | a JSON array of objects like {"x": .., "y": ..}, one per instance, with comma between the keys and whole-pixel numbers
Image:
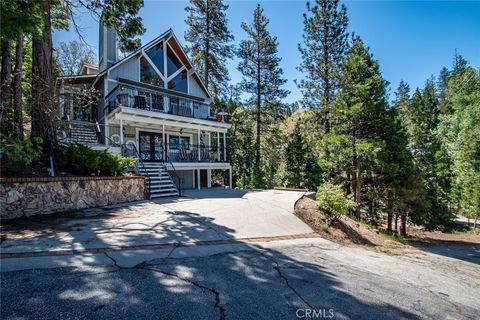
[
  {"x": 209, "y": 40},
  {"x": 241, "y": 146},
  {"x": 400, "y": 181},
  {"x": 262, "y": 76},
  {"x": 362, "y": 116},
  {"x": 301, "y": 165},
  {"x": 324, "y": 45},
  {"x": 429, "y": 155},
  {"x": 295, "y": 154},
  {"x": 459, "y": 130}
]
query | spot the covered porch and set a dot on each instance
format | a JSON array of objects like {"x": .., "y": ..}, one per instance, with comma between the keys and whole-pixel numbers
[{"x": 191, "y": 147}]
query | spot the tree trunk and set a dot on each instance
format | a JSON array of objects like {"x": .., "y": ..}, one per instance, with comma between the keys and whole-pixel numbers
[
  {"x": 6, "y": 90},
  {"x": 42, "y": 110},
  {"x": 354, "y": 165},
  {"x": 326, "y": 72},
  {"x": 257, "y": 142},
  {"x": 403, "y": 224},
  {"x": 396, "y": 222},
  {"x": 358, "y": 191},
  {"x": 389, "y": 215},
  {"x": 357, "y": 179},
  {"x": 207, "y": 47},
  {"x": 17, "y": 88}
]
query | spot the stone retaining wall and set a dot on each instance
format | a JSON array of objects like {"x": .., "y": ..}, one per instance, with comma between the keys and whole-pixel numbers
[{"x": 32, "y": 196}]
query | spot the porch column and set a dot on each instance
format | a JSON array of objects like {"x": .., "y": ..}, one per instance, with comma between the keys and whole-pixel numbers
[
  {"x": 198, "y": 147},
  {"x": 164, "y": 151},
  {"x": 218, "y": 145},
  {"x": 121, "y": 131},
  {"x": 209, "y": 178},
  {"x": 198, "y": 179},
  {"x": 225, "y": 147},
  {"x": 230, "y": 178},
  {"x": 107, "y": 134}
]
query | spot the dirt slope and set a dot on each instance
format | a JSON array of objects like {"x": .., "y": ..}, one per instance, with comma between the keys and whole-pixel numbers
[{"x": 344, "y": 230}]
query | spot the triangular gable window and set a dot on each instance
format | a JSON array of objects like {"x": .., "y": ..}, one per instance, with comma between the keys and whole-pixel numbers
[
  {"x": 148, "y": 73},
  {"x": 173, "y": 64},
  {"x": 156, "y": 55},
  {"x": 179, "y": 82}
]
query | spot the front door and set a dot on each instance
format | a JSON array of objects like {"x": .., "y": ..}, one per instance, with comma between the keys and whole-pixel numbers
[{"x": 151, "y": 147}]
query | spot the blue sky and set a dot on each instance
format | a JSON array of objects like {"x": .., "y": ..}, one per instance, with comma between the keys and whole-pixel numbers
[{"x": 411, "y": 39}]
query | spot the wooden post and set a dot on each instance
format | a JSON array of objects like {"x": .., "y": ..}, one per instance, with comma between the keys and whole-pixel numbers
[
  {"x": 209, "y": 178},
  {"x": 198, "y": 179},
  {"x": 225, "y": 147},
  {"x": 164, "y": 151},
  {"x": 121, "y": 131},
  {"x": 198, "y": 144},
  {"x": 218, "y": 146}
]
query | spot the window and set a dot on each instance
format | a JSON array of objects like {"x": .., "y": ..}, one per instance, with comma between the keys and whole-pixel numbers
[
  {"x": 179, "y": 83},
  {"x": 156, "y": 55},
  {"x": 148, "y": 74},
  {"x": 177, "y": 142},
  {"x": 173, "y": 64}
]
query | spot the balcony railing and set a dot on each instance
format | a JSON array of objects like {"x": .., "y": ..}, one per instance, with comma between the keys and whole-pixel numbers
[
  {"x": 151, "y": 100},
  {"x": 195, "y": 153}
]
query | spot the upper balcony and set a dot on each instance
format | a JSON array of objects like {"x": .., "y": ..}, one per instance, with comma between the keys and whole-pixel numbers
[{"x": 151, "y": 98}]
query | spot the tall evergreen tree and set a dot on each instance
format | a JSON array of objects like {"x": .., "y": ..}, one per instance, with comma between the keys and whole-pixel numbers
[
  {"x": 429, "y": 156},
  {"x": 324, "y": 45},
  {"x": 301, "y": 166},
  {"x": 209, "y": 40},
  {"x": 262, "y": 76},
  {"x": 362, "y": 112},
  {"x": 399, "y": 177},
  {"x": 459, "y": 130}
]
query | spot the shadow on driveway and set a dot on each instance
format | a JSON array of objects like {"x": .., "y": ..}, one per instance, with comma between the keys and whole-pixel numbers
[
  {"x": 465, "y": 251},
  {"x": 242, "y": 285}
]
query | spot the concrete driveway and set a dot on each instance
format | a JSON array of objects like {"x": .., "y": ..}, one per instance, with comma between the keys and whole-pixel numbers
[
  {"x": 211, "y": 216},
  {"x": 220, "y": 255}
]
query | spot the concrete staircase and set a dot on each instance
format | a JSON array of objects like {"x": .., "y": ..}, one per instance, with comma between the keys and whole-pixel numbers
[
  {"x": 161, "y": 183},
  {"x": 83, "y": 132}
]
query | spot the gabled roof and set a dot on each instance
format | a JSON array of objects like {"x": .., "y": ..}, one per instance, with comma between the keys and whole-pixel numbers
[{"x": 172, "y": 40}]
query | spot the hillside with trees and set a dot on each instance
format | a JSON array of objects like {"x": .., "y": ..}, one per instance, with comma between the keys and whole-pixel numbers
[{"x": 413, "y": 159}]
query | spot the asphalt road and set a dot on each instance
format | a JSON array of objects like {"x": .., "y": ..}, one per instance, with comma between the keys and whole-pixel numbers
[{"x": 284, "y": 280}]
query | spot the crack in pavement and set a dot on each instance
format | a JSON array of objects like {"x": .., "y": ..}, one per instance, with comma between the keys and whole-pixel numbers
[
  {"x": 281, "y": 275},
  {"x": 217, "y": 304},
  {"x": 144, "y": 266}
]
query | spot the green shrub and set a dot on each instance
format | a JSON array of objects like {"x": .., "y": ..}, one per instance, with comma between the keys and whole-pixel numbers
[
  {"x": 330, "y": 197},
  {"x": 114, "y": 163},
  {"x": 81, "y": 159},
  {"x": 17, "y": 154}
]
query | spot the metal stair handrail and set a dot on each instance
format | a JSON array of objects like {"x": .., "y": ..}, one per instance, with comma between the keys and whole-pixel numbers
[
  {"x": 170, "y": 163},
  {"x": 126, "y": 148}
]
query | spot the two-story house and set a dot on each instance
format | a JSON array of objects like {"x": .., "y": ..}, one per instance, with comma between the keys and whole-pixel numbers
[{"x": 150, "y": 104}]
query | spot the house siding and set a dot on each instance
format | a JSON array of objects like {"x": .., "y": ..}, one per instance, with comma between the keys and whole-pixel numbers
[
  {"x": 127, "y": 70},
  {"x": 195, "y": 89}
]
